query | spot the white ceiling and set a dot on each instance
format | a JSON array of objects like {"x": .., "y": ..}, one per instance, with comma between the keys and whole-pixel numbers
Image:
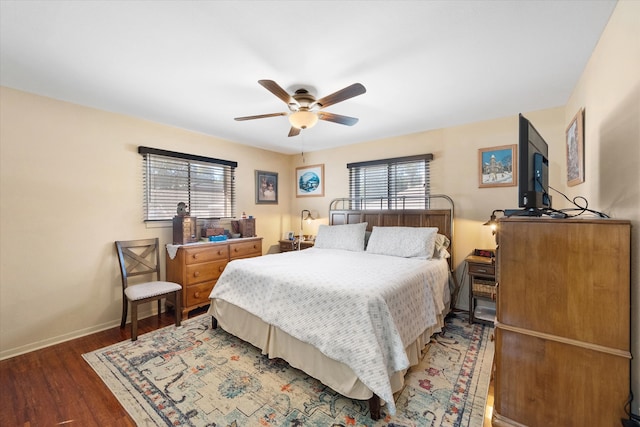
[{"x": 195, "y": 64}]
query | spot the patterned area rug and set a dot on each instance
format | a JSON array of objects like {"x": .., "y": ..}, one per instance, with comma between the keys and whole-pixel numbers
[{"x": 196, "y": 376}]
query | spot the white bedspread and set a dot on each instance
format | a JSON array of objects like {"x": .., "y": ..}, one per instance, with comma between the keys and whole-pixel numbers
[{"x": 358, "y": 308}]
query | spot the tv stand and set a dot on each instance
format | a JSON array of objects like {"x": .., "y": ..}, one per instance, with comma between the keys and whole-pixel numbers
[{"x": 525, "y": 212}]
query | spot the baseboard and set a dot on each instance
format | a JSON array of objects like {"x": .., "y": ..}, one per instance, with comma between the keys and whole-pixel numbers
[{"x": 38, "y": 345}]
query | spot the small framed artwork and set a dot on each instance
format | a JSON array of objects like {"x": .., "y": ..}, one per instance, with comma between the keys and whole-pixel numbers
[
  {"x": 266, "y": 187},
  {"x": 575, "y": 150},
  {"x": 310, "y": 181},
  {"x": 497, "y": 166},
  {"x": 289, "y": 235}
]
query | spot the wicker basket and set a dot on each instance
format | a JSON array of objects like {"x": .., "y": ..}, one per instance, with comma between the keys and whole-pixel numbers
[{"x": 484, "y": 288}]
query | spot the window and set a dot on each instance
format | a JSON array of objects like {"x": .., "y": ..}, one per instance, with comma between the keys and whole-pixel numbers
[
  {"x": 205, "y": 184},
  {"x": 398, "y": 183}
]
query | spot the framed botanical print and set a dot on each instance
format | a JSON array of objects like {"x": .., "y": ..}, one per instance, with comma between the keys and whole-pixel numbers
[{"x": 575, "y": 150}]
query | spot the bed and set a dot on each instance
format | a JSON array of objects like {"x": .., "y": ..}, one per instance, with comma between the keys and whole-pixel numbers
[{"x": 319, "y": 308}]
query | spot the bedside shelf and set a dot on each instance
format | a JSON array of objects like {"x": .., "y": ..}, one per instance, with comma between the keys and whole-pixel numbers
[{"x": 482, "y": 285}]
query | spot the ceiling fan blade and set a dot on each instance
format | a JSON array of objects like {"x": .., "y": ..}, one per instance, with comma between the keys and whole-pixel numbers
[
  {"x": 294, "y": 131},
  {"x": 275, "y": 89},
  {"x": 337, "y": 118},
  {"x": 261, "y": 116},
  {"x": 339, "y": 96}
]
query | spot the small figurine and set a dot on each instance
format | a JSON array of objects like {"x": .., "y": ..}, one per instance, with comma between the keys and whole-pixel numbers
[{"x": 182, "y": 209}]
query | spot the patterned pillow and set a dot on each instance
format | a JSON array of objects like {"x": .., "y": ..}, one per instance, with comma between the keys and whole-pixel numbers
[
  {"x": 349, "y": 237},
  {"x": 406, "y": 242}
]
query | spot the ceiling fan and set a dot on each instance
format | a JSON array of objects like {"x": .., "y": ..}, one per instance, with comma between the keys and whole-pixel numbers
[{"x": 305, "y": 110}]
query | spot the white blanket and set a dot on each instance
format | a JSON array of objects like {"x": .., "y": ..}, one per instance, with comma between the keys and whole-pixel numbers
[{"x": 358, "y": 308}]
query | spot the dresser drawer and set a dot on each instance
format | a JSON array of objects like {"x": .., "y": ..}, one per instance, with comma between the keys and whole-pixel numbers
[
  {"x": 197, "y": 294},
  {"x": 205, "y": 253},
  {"x": 245, "y": 249},
  {"x": 486, "y": 269},
  {"x": 197, "y": 273}
]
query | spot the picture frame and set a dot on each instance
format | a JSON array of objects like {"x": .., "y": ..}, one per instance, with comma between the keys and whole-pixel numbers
[
  {"x": 266, "y": 188},
  {"x": 310, "y": 181},
  {"x": 575, "y": 149},
  {"x": 497, "y": 166},
  {"x": 289, "y": 235}
]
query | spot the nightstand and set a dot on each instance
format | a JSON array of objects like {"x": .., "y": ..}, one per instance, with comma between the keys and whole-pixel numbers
[
  {"x": 292, "y": 245},
  {"x": 482, "y": 285}
]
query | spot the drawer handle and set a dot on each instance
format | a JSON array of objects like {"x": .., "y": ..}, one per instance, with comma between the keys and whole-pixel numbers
[
  {"x": 196, "y": 274},
  {"x": 195, "y": 256},
  {"x": 221, "y": 268},
  {"x": 482, "y": 270},
  {"x": 255, "y": 246},
  {"x": 219, "y": 252},
  {"x": 236, "y": 250},
  {"x": 197, "y": 295}
]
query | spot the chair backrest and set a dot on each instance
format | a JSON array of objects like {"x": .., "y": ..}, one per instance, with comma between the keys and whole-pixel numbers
[{"x": 138, "y": 257}]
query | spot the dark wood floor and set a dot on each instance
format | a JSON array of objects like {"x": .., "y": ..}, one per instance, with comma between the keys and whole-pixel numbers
[{"x": 55, "y": 386}]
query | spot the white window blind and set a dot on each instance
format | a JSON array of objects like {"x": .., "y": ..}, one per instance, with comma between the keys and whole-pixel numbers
[
  {"x": 397, "y": 183},
  {"x": 205, "y": 184}
]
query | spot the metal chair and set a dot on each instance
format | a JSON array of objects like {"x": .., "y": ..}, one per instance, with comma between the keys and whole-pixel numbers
[{"x": 142, "y": 257}]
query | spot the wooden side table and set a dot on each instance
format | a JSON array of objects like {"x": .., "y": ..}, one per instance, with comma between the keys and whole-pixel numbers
[
  {"x": 292, "y": 245},
  {"x": 482, "y": 283}
]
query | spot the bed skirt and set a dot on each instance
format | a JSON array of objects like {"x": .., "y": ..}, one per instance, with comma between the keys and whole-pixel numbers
[{"x": 276, "y": 343}]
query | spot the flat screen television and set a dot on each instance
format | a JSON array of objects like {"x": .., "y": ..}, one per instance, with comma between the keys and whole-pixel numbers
[{"x": 533, "y": 170}]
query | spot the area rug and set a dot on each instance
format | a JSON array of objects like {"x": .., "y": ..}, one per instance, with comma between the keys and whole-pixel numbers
[{"x": 195, "y": 376}]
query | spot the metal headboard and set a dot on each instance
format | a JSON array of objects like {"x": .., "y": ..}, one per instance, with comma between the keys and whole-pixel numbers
[{"x": 436, "y": 210}]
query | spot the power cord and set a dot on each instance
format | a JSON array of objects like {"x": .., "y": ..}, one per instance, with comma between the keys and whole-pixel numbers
[
  {"x": 634, "y": 420},
  {"x": 563, "y": 213}
]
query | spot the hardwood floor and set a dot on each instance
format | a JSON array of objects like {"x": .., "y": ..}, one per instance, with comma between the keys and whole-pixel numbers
[{"x": 55, "y": 386}]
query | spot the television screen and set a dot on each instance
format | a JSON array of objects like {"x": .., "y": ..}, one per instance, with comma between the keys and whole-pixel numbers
[{"x": 533, "y": 168}]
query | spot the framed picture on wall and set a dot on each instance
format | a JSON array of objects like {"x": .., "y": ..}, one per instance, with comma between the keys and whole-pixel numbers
[
  {"x": 310, "y": 181},
  {"x": 266, "y": 187},
  {"x": 497, "y": 166},
  {"x": 575, "y": 150}
]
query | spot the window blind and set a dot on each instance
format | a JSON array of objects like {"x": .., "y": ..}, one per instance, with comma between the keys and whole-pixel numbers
[
  {"x": 397, "y": 183},
  {"x": 205, "y": 184}
]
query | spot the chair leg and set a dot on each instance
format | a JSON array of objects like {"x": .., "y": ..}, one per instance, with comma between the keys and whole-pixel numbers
[
  {"x": 134, "y": 320},
  {"x": 177, "y": 307},
  {"x": 125, "y": 305},
  {"x": 159, "y": 307}
]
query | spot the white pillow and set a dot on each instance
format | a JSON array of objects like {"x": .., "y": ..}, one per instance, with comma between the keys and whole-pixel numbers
[
  {"x": 349, "y": 237},
  {"x": 406, "y": 242},
  {"x": 441, "y": 247}
]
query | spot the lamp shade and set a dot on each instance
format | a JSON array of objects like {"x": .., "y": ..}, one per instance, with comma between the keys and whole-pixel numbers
[
  {"x": 303, "y": 119},
  {"x": 493, "y": 222}
]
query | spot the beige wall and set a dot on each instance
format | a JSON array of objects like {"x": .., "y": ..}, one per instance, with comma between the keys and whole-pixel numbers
[
  {"x": 59, "y": 214},
  {"x": 609, "y": 91},
  {"x": 70, "y": 186}
]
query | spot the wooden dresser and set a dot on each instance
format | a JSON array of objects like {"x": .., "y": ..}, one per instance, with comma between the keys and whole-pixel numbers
[
  {"x": 197, "y": 267},
  {"x": 562, "y": 352}
]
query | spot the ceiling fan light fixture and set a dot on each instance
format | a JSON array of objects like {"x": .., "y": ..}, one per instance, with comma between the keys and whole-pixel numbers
[{"x": 303, "y": 119}]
